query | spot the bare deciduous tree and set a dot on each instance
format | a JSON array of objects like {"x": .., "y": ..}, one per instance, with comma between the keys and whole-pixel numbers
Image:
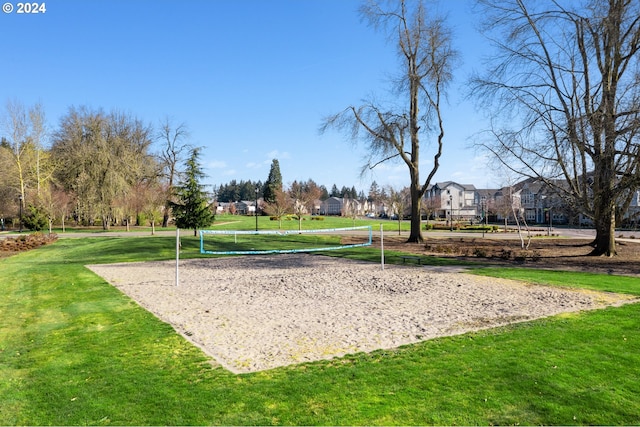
[
  {"x": 61, "y": 204},
  {"x": 152, "y": 198},
  {"x": 174, "y": 147},
  {"x": 504, "y": 203},
  {"x": 303, "y": 195},
  {"x": 280, "y": 206},
  {"x": 430, "y": 206},
  {"x": 350, "y": 209},
  {"x": 22, "y": 129},
  {"x": 566, "y": 85},
  {"x": 42, "y": 169},
  {"x": 395, "y": 132},
  {"x": 398, "y": 200}
]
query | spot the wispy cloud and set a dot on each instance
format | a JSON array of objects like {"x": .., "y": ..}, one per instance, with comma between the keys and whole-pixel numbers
[
  {"x": 273, "y": 154},
  {"x": 217, "y": 164},
  {"x": 276, "y": 154}
]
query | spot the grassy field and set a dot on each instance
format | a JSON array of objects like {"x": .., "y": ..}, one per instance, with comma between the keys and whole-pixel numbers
[
  {"x": 74, "y": 350},
  {"x": 241, "y": 222}
]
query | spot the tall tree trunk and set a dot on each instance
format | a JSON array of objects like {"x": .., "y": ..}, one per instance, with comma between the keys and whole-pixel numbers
[
  {"x": 167, "y": 205},
  {"x": 416, "y": 198},
  {"x": 105, "y": 223},
  {"x": 605, "y": 241},
  {"x": 416, "y": 195},
  {"x": 604, "y": 197},
  {"x": 165, "y": 216}
]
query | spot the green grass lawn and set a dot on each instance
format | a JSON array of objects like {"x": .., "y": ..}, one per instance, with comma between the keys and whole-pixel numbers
[
  {"x": 231, "y": 222},
  {"x": 243, "y": 222},
  {"x": 74, "y": 350}
]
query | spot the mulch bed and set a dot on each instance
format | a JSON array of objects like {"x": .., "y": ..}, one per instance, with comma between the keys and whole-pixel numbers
[
  {"x": 548, "y": 253},
  {"x": 12, "y": 245}
]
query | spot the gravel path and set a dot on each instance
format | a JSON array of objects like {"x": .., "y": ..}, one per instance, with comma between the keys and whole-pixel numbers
[{"x": 261, "y": 312}]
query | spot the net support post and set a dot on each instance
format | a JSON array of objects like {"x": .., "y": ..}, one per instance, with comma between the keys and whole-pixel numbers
[
  {"x": 382, "y": 246},
  {"x": 177, "y": 255}
]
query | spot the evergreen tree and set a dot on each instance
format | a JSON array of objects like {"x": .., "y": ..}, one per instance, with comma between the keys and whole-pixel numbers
[
  {"x": 334, "y": 191},
  {"x": 345, "y": 192},
  {"x": 325, "y": 193},
  {"x": 354, "y": 193},
  {"x": 374, "y": 192},
  {"x": 248, "y": 189},
  {"x": 233, "y": 192},
  {"x": 274, "y": 182},
  {"x": 192, "y": 209}
]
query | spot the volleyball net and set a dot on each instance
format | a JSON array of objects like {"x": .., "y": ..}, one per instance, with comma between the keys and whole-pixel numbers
[{"x": 242, "y": 242}]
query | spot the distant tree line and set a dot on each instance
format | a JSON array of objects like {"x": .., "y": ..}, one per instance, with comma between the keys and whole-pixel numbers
[{"x": 235, "y": 191}]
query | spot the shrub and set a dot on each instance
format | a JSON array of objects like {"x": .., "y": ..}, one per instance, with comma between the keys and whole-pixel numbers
[
  {"x": 505, "y": 253},
  {"x": 521, "y": 256},
  {"x": 480, "y": 252},
  {"x": 35, "y": 219},
  {"x": 141, "y": 219},
  {"x": 527, "y": 255},
  {"x": 445, "y": 249}
]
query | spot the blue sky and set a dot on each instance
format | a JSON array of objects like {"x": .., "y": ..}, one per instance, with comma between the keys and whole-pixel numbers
[{"x": 252, "y": 79}]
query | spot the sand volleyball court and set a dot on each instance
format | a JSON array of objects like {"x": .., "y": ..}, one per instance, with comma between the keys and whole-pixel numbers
[{"x": 254, "y": 313}]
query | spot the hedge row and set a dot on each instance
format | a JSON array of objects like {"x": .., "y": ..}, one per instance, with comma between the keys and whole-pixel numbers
[
  {"x": 293, "y": 217},
  {"x": 486, "y": 228}
]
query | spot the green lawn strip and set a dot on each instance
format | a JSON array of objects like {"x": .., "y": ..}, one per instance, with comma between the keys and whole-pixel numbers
[
  {"x": 244, "y": 222},
  {"x": 598, "y": 282},
  {"x": 372, "y": 254},
  {"x": 240, "y": 222},
  {"x": 74, "y": 350}
]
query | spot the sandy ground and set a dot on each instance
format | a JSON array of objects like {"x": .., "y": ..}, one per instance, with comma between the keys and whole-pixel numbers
[{"x": 261, "y": 312}]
